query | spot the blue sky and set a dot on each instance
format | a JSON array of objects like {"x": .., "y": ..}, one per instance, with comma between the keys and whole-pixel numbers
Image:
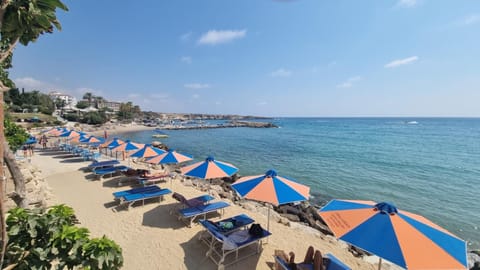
[{"x": 265, "y": 57}]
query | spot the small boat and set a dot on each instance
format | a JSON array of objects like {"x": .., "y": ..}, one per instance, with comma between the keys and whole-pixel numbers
[
  {"x": 412, "y": 122},
  {"x": 160, "y": 135}
]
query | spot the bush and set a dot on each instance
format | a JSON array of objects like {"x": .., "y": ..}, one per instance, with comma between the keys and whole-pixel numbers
[
  {"x": 71, "y": 117},
  {"x": 15, "y": 135},
  {"x": 38, "y": 237},
  {"x": 94, "y": 118}
]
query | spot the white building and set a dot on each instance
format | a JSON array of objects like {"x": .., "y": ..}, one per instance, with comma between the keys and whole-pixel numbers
[{"x": 70, "y": 101}]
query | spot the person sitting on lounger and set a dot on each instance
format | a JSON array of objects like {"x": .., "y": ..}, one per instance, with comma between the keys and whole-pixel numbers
[{"x": 311, "y": 258}]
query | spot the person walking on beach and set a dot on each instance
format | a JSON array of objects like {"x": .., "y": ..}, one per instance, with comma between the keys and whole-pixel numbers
[{"x": 44, "y": 141}]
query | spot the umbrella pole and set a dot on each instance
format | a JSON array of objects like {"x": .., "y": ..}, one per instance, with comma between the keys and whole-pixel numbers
[{"x": 380, "y": 263}]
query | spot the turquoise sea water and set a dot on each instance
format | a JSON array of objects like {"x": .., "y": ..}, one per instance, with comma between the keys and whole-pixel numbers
[{"x": 430, "y": 167}]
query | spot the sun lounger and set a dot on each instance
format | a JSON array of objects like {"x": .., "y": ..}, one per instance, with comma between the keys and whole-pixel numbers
[
  {"x": 240, "y": 243},
  {"x": 329, "y": 260},
  {"x": 153, "y": 179},
  {"x": 130, "y": 199},
  {"x": 191, "y": 213},
  {"x": 110, "y": 171},
  {"x": 184, "y": 203},
  {"x": 119, "y": 194},
  {"x": 103, "y": 164}
]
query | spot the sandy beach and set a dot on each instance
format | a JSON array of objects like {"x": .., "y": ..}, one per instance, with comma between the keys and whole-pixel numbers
[{"x": 150, "y": 237}]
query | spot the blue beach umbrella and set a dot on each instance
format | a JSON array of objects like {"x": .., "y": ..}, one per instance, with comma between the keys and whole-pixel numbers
[
  {"x": 92, "y": 139},
  {"x": 170, "y": 157},
  {"x": 209, "y": 169},
  {"x": 403, "y": 238},
  {"x": 147, "y": 151},
  {"x": 271, "y": 188}
]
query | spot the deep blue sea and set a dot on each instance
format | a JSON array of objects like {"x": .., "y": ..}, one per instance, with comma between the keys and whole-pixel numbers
[{"x": 429, "y": 166}]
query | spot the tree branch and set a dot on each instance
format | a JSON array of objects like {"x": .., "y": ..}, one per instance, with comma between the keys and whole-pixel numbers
[{"x": 6, "y": 53}]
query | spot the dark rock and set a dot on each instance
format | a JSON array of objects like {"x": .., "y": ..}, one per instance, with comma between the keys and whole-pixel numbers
[{"x": 291, "y": 217}]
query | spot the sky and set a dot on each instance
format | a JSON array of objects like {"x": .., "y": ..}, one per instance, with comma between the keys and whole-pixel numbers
[{"x": 276, "y": 58}]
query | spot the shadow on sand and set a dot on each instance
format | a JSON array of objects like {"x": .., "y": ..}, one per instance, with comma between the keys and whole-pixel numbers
[
  {"x": 160, "y": 217},
  {"x": 196, "y": 258}
]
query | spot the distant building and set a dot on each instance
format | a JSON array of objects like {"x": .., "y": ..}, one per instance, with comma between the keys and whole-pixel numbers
[
  {"x": 112, "y": 105},
  {"x": 70, "y": 101}
]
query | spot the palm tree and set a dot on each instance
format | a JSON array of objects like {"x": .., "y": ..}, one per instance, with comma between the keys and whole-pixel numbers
[{"x": 20, "y": 21}]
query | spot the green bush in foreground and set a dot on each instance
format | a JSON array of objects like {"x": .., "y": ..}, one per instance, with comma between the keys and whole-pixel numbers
[{"x": 47, "y": 238}]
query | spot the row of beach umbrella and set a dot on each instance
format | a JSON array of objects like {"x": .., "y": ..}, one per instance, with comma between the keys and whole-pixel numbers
[{"x": 408, "y": 240}]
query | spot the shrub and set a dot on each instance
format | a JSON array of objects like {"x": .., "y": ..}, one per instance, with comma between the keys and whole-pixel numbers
[{"x": 39, "y": 237}]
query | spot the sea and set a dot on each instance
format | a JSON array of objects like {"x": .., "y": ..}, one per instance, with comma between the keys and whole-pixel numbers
[{"x": 428, "y": 166}]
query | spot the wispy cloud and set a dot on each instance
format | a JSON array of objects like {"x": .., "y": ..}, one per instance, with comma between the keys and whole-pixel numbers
[
  {"x": 186, "y": 59},
  {"x": 407, "y": 3},
  {"x": 281, "y": 73},
  {"x": 31, "y": 84},
  {"x": 349, "y": 82},
  {"x": 401, "y": 62},
  {"x": 159, "y": 96},
  {"x": 133, "y": 95},
  {"x": 214, "y": 37},
  {"x": 186, "y": 36},
  {"x": 197, "y": 85},
  {"x": 469, "y": 20}
]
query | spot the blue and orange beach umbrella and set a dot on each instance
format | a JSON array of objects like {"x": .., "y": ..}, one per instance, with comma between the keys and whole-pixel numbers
[
  {"x": 128, "y": 146},
  {"x": 111, "y": 144},
  {"x": 408, "y": 240},
  {"x": 209, "y": 169},
  {"x": 71, "y": 134},
  {"x": 272, "y": 189},
  {"x": 147, "y": 151},
  {"x": 77, "y": 139},
  {"x": 170, "y": 157},
  {"x": 92, "y": 140}
]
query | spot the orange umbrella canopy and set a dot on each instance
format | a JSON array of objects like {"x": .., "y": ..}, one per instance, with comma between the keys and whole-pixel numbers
[
  {"x": 147, "y": 151},
  {"x": 128, "y": 146},
  {"x": 403, "y": 238}
]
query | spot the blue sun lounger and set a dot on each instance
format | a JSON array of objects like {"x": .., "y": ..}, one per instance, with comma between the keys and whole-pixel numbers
[
  {"x": 120, "y": 194},
  {"x": 102, "y": 164},
  {"x": 331, "y": 262},
  {"x": 191, "y": 213},
  {"x": 238, "y": 241},
  {"x": 130, "y": 199},
  {"x": 110, "y": 171}
]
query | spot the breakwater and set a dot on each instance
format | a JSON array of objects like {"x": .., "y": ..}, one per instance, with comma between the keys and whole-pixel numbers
[{"x": 231, "y": 124}]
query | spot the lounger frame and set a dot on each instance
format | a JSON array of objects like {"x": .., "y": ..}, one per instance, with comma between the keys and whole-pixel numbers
[
  {"x": 219, "y": 255},
  {"x": 188, "y": 215}
]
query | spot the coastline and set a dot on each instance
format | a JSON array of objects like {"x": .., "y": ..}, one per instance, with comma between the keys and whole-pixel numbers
[{"x": 151, "y": 232}]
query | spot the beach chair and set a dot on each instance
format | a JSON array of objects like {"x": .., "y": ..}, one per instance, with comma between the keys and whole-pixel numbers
[
  {"x": 153, "y": 179},
  {"x": 240, "y": 243},
  {"x": 184, "y": 203},
  {"x": 129, "y": 199},
  {"x": 120, "y": 194},
  {"x": 329, "y": 260},
  {"x": 102, "y": 164},
  {"x": 188, "y": 215},
  {"x": 99, "y": 173}
]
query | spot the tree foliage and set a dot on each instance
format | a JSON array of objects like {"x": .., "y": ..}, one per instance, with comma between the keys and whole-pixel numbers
[
  {"x": 15, "y": 135},
  {"x": 31, "y": 101},
  {"x": 40, "y": 237},
  {"x": 82, "y": 104}
]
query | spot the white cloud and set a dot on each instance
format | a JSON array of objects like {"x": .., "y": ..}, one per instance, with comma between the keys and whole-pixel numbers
[
  {"x": 186, "y": 59},
  {"x": 401, "y": 62},
  {"x": 469, "y": 20},
  {"x": 407, "y": 3},
  {"x": 159, "y": 96},
  {"x": 197, "y": 85},
  {"x": 214, "y": 37},
  {"x": 281, "y": 73},
  {"x": 133, "y": 95},
  {"x": 186, "y": 37},
  {"x": 31, "y": 84},
  {"x": 349, "y": 82}
]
